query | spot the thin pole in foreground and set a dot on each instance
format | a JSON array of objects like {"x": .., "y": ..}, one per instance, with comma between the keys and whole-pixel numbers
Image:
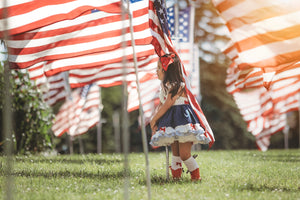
[
  {"x": 125, "y": 138},
  {"x": 69, "y": 96},
  {"x": 7, "y": 129},
  {"x": 167, "y": 163},
  {"x": 99, "y": 125},
  {"x": 299, "y": 122},
  {"x": 7, "y": 119},
  {"x": 141, "y": 112}
]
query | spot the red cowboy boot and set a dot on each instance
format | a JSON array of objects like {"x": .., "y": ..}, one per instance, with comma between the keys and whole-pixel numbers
[
  {"x": 195, "y": 175},
  {"x": 176, "y": 174}
]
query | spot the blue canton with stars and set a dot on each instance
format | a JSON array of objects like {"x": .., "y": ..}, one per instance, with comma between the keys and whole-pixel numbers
[
  {"x": 162, "y": 15},
  {"x": 183, "y": 21}
]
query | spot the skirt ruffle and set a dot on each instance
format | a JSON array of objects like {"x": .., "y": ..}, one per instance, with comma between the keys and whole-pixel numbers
[{"x": 180, "y": 124}]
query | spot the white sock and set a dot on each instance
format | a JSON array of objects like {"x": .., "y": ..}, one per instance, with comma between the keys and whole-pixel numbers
[
  {"x": 191, "y": 164},
  {"x": 176, "y": 162}
]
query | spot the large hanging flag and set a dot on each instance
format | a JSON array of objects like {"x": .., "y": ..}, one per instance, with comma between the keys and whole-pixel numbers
[
  {"x": 27, "y": 15},
  {"x": 90, "y": 61},
  {"x": 163, "y": 44},
  {"x": 263, "y": 110},
  {"x": 159, "y": 28},
  {"x": 89, "y": 34},
  {"x": 265, "y": 33},
  {"x": 79, "y": 113},
  {"x": 112, "y": 74}
]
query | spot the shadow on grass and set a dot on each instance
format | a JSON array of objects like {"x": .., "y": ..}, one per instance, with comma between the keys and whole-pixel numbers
[
  {"x": 162, "y": 180},
  {"x": 261, "y": 188},
  {"x": 68, "y": 174},
  {"x": 69, "y": 160}
]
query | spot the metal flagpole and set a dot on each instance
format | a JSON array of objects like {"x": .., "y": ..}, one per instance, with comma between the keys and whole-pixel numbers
[
  {"x": 286, "y": 136},
  {"x": 125, "y": 136},
  {"x": 116, "y": 124},
  {"x": 176, "y": 28},
  {"x": 167, "y": 163},
  {"x": 7, "y": 130},
  {"x": 141, "y": 112},
  {"x": 69, "y": 96},
  {"x": 7, "y": 119},
  {"x": 99, "y": 126},
  {"x": 194, "y": 63}
]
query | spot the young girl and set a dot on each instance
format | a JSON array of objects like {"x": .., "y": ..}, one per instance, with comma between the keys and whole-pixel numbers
[{"x": 175, "y": 122}]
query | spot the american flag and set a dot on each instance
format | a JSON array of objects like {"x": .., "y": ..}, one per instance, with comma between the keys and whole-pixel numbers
[
  {"x": 89, "y": 40},
  {"x": 159, "y": 28},
  {"x": 265, "y": 33},
  {"x": 163, "y": 44},
  {"x": 78, "y": 113},
  {"x": 238, "y": 79},
  {"x": 264, "y": 75},
  {"x": 265, "y": 110},
  {"x": 94, "y": 34},
  {"x": 111, "y": 74},
  {"x": 27, "y": 15}
]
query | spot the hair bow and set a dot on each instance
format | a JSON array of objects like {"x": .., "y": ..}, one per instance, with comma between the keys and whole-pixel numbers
[{"x": 167, "y": 60}]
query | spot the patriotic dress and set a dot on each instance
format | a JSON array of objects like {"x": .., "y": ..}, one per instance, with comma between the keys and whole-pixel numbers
[{"x": 179, "y": 123}]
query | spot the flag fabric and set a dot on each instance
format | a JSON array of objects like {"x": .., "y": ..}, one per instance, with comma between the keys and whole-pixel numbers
[
  {"x": 89, "y": 34},
  {"x": 238, "y": 79},
  {"x": 263, "y": 108},
  {"x": 90, "y": 61},
  {"x": 112, "y": 74},
  {"x": 79, "y": 113},
  {"x": 265, "y": 33},
  {"x": 285, "y": 90},
  {"x": 263, "y": 101},
  {"x": 163, "y": 44},
  {"x": 54, "y": 89},
  {"x": 159, "y": 28},
  {"x": 149, "y": 92},
  {"x": 256, "y": 108},
  {"x": 27, "y": 15}
]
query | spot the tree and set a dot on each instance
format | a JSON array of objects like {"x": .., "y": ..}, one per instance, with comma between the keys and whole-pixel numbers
[{"x": 32, "y": 118}]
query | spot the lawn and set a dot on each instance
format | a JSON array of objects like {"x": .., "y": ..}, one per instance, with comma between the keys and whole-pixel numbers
[{"x": 246, "y": 174}]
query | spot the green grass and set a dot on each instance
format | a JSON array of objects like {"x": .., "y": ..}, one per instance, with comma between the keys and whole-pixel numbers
[{"x": 241, "y": 175}]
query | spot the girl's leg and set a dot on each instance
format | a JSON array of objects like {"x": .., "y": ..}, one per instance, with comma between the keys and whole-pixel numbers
[
  {"x": 185, "y": 150},
  {"x": 175, "y": 148},
  {"x": 176, "y": 163},
  {"x": 188, "y": 160}
]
